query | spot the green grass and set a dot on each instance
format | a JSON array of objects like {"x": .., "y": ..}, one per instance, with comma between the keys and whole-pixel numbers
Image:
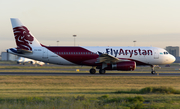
[
  {"x": 87, "y": 92},
  {"x": 84, "y": 102},
  {"x": 8, "y": 62},
  {"x": 25, "y": 86}
]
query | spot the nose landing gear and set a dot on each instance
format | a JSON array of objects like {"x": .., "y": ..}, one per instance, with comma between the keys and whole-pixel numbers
[{"x": 152, "y": 70}]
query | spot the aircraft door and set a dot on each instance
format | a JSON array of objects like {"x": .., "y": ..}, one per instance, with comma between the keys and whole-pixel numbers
[
  {"x": 45, "y": 53},
  {"x": 156, "y": 54}
]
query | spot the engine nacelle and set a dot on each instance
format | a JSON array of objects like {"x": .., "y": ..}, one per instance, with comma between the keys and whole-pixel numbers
[
  {"x": 125, "y": 66},
  {"x": 33, "y": 62}
]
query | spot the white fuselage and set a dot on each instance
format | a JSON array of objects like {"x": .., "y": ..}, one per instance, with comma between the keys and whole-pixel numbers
[{"x": 145, "y": 55}]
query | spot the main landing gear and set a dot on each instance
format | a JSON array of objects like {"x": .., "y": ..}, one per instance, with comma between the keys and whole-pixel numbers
[
  {"x": 152, "y": 70},
  {"x": 93, "y": 71},
  {"x": 102, "y": 71}
]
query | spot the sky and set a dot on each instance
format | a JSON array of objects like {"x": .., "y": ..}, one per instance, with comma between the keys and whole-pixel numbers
[{"x": 95, "y": 22}]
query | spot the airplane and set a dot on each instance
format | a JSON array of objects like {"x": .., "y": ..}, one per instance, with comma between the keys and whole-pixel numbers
[
  {"x": 102, "y": 58},
  {"x": 23, "y": 60}
]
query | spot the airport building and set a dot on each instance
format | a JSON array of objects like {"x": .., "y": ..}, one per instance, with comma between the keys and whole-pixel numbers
[
  {"x": 173, "y": 50},
  {"x": 8, "y": 57}
]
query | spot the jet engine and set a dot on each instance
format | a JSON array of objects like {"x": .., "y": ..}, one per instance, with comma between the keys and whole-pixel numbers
[
  {"x": 32, "y": 62},
  {"x": 125, "y": 66}
]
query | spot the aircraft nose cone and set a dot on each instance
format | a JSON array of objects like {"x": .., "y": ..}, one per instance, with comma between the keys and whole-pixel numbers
[
  {"x": 170, "y": 59},
  {"x": 173, "y": 58}
]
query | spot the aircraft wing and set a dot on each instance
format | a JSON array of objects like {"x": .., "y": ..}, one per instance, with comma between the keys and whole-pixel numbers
[{"x": 105, "y": 58}]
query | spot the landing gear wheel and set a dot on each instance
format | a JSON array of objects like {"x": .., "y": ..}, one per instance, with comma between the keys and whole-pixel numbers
[
  {"x": 102, "y": 71},
  {"x": 92, "y": 71},
  {"x": 153, "y": 72}
]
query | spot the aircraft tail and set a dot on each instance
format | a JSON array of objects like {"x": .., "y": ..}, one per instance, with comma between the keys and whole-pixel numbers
[{"x": 25, "y": 41}]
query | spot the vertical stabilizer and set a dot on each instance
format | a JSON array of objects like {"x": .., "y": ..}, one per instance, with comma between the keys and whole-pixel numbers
[{"x": 24, "y": 39}]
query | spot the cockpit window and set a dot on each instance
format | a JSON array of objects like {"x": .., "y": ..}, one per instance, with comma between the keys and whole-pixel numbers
[{"x": 166, "y": 53}]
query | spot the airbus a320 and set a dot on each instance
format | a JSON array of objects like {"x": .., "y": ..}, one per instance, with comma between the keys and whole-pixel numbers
[{"x": 102, "y": 58}]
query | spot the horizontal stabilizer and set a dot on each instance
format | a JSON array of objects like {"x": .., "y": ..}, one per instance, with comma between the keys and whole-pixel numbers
[{"x": 23, "y": 51}]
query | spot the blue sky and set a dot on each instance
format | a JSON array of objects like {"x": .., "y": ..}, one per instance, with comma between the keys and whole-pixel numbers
[{"x": 95, "y": 22}]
